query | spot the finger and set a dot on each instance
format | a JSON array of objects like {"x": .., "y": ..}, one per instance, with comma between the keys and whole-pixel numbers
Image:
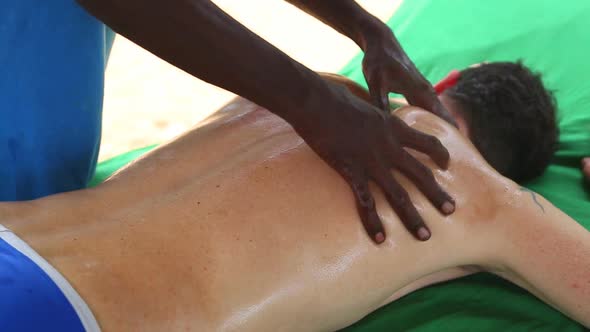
[
  {"x": 425, "y": 143},
  {"x": 366, "y": 207},
  {"x": 424, "y": 180},
  {"x": 379, "y": 96},
  {"x": 400, "y": 201},
  {"x": 426, "y": 98}
]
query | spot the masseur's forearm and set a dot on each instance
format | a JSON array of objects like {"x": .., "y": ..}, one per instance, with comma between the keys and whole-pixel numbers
[
  {"x": 346, "y": 17},
  {"x": 548, "y": 253},
  {"x": 201, "y": 39}
]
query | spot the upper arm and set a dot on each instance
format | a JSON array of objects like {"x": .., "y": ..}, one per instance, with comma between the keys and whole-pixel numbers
[{"x": 548, "y": 253}]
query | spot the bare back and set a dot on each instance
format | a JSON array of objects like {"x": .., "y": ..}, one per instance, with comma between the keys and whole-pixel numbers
[{"x": 239, "y": 226}]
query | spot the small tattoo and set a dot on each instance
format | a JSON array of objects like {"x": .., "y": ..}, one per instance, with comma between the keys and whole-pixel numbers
[{"x": 533, "y": 196}]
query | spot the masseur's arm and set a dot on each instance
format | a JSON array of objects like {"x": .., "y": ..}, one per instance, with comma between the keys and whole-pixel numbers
[
  {"x": 359, "y": 142},
  {"x": 386, "y": 66},
  {"x": 548, "y": 253}
]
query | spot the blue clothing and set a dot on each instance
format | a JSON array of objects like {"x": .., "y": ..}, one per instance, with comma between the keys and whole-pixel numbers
[
  {"x": 34, "y": 296},
  {"x": 52, "y": 61}
]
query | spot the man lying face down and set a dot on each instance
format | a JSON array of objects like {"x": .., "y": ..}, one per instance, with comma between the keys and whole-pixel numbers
[
  {"x": 508, "y": 115},
  {"x": 238, "y": 226}
]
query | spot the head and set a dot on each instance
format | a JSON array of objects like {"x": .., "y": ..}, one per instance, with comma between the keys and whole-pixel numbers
[{"x": 508, "y": 114}]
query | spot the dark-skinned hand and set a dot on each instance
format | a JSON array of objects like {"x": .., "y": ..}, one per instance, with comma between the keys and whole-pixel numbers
[
  {"x": 387, "y": 69},
  {"x": 364, "y": 144}
]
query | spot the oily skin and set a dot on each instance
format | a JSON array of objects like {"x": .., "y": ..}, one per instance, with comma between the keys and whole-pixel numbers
[
  {"x": 364, "y": 146},
  {"x": 159, "y": 245},
  {"x": 205, "y": 233}
]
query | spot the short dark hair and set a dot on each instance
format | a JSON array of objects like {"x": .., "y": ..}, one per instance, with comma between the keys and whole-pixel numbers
[{"x": 511, "y": 117}]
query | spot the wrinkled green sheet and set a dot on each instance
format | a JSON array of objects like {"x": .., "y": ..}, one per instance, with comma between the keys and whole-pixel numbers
[{"x": 552, "y": 37}]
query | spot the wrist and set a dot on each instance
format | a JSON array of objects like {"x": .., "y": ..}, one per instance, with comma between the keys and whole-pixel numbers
[
  {"x": 371, "y": 32},
  {"x": 304, "y": 103}
]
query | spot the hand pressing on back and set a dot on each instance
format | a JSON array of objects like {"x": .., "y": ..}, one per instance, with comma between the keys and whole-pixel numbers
[{"x": 364, "y": 144}]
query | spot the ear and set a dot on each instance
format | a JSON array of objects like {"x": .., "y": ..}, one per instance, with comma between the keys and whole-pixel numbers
[{"x": 351, "y": 85}]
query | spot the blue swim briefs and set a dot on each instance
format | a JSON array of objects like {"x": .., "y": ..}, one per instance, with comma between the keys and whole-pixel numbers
[{"x": 34, "y": 296}]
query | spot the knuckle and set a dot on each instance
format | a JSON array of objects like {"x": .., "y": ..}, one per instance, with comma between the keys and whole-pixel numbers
[
  {"x": 428, "y": 175},
  {"x": 365, "y": 199},
  {"x": 363, "y": 195},
  {"x": 399, "y": 198},
  {"x": 432, "y": 141}
]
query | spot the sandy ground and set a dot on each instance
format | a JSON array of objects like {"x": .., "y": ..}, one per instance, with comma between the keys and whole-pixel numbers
[{"x": 149, "y": 101}]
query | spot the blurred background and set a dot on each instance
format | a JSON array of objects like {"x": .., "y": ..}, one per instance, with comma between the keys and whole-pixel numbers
[{"x": 148, "y": 101}]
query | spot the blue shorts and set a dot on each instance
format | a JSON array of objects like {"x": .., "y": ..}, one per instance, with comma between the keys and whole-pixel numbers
[{"x": 34, "y": 296}]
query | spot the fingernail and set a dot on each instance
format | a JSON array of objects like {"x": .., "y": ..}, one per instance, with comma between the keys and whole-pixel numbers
[
  {"x": 448, "y": 207},
  {"x": 379, "y": 237},
  {"x": 423, "y": 234}
]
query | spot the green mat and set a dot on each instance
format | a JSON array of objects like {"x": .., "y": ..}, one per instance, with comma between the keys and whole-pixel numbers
[{"x": 551, "y": 37}]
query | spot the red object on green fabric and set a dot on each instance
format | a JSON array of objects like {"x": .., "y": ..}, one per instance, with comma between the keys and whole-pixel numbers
[{"x": 447, "y": 82}]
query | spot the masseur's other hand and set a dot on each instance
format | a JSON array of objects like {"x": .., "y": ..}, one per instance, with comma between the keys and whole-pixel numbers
[
  {"x": 387, "y": 69},
  {"x": 364, "y": 144}
]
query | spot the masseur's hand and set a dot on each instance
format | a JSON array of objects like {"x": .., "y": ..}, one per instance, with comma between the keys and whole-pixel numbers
[
  {"x": 364, "y": 144},
  {"x": 387, "y": 68}
]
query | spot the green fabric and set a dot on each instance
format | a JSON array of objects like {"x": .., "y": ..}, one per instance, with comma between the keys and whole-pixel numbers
[
  {"x": 108, "y": 167},
  {"x": 550, "y": 37}
]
